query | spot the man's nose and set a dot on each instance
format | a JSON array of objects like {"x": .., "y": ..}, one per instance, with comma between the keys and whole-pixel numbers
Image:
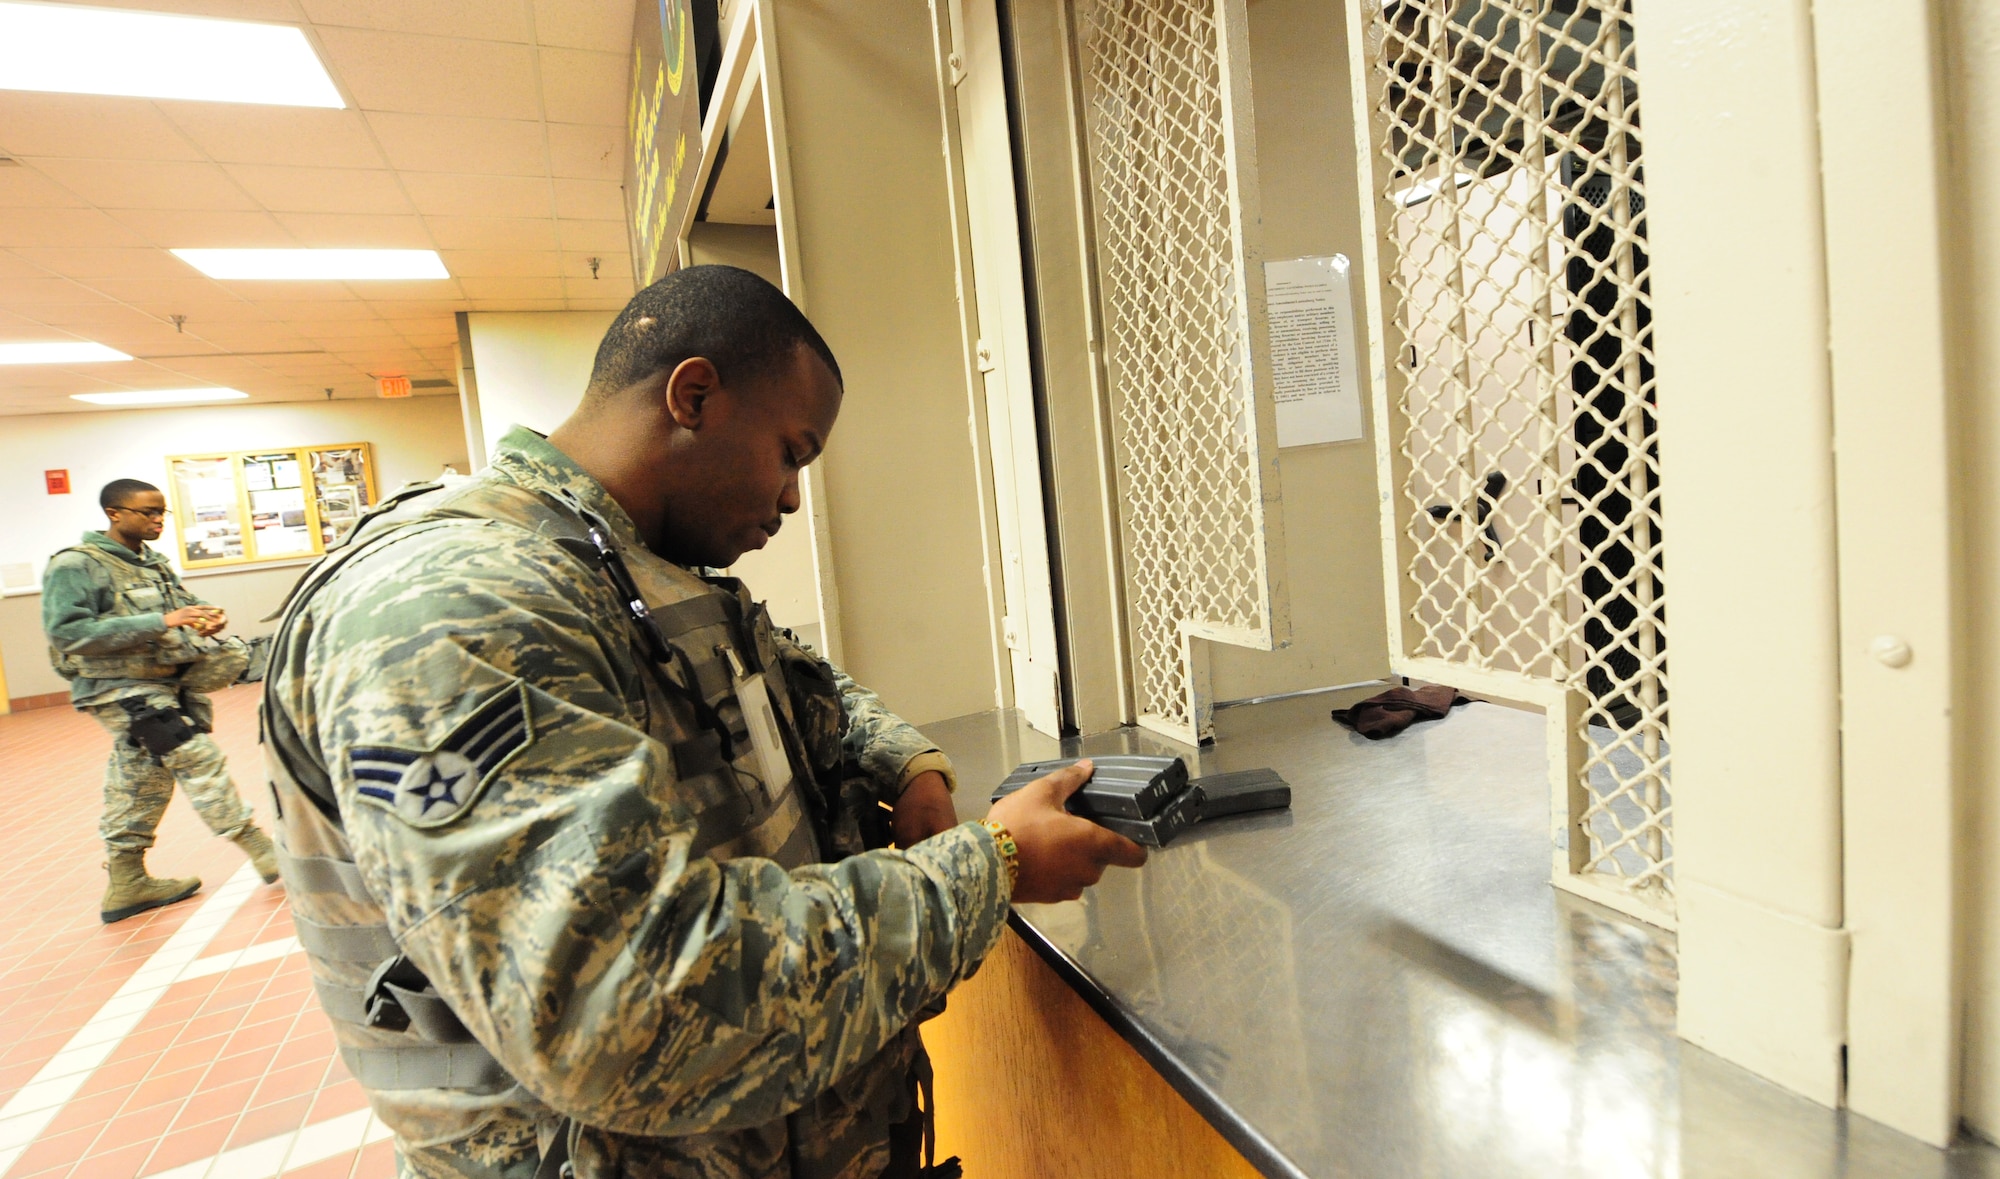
[{"x": 788, "y": 500}]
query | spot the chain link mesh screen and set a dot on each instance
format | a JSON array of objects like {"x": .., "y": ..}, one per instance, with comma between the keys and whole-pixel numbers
[
  {"x": 1529, "y": 497},
  {"x": 1175, "y": 326}
]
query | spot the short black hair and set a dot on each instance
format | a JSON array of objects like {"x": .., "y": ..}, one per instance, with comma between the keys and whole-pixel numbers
[
  {"x": 740, "y": 323},
  {"x": 117, "y": 491}
]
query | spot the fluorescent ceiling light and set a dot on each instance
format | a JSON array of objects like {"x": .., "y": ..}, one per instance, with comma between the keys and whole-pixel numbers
[
  {"x": 161, "y": 396},
  {"x": 70, "y": 49},
  {"x": 319, "y": 264},
  {"x": 58, "y": 352}
]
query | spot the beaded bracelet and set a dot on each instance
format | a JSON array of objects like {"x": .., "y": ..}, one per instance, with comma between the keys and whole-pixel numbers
[{"x": 1009, "y": 850}]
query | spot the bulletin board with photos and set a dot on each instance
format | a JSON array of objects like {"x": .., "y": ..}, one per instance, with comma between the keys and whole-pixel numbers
[{"x": 268, "y": 505}]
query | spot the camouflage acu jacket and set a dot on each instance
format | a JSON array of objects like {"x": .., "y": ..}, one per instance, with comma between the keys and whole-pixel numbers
[
  {"x": 102, "y": 610},
  {"x": 601, "y": 878}
]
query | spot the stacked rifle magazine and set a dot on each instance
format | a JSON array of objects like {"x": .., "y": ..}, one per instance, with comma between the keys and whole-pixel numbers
[{"x": 1151, "y": 800}]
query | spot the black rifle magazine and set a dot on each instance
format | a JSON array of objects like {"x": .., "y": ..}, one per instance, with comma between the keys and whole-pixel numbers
[
  {"x": 1242, "y": 792},
  {"x": 1121, "y": 786}
]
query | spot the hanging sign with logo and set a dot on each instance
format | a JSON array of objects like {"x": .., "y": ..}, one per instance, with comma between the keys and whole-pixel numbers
[{"x": 663, "y": 134}]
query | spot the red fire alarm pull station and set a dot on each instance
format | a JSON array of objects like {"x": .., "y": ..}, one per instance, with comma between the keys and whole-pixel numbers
[{"x": 58, "y": 482}]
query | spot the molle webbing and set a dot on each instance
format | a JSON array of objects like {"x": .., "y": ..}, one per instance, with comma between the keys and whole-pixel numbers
[
  {"x": 345, "y": 943},
  {"x": 160, "y": 659},
  {"x": 324, "y": 874},
  {"x": 427, "y": 1066}
]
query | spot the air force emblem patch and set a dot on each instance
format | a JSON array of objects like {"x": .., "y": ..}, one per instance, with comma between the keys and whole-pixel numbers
[{"x": 430, "y": 789}]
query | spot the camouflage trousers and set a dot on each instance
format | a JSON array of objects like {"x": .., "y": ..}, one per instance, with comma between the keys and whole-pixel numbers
[
  {"x": 138, "y": 786},
  {"x": 865, "y": 1127}
]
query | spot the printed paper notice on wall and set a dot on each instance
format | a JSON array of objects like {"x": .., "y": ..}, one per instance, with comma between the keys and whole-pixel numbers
[{"x": 1315, "y": 362}]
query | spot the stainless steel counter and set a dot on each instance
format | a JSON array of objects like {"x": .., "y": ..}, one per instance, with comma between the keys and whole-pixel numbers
[{"x": 1382, "y": 983}]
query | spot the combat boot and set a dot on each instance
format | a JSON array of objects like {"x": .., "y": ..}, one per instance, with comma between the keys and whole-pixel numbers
[
  {"x": 132, "y": 891},
  {"x": 263, "y": 856}
]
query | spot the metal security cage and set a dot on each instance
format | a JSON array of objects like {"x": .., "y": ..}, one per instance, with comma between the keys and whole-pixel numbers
[
  {"x": 1507, "y": 193},
  {"x": 1168, "y": 137}
]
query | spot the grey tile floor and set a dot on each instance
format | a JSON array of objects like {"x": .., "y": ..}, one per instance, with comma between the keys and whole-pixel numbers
[{"x": 1382, "y": 983}]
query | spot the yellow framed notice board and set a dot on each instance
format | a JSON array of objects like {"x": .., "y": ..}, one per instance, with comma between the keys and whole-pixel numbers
[{"x": 278, "y": 504}]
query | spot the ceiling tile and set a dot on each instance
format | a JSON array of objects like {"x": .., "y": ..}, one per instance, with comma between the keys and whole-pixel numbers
[
  {"x": 579, "y": 86},
  {"x": 598, "y": 237},
  {"x": 86, "y": 262},
  {"x": 257, "y": 338},
  {"x": 59, "y": 290},
  {"x": 348, "y": 329},
  {"x": 275, "y": 11},
  {"x": 146, "y": 184},
  {"x": 510, "y": 304},
  {"x": 487, "y": 289},
  {"x": 604, "y": 27},
  {"x": 407, "y": 308},
  {"x": 503, "y": 263},
  {"x": 384, "y": 295},
  {"x": 493, "y": 233},
  {"x": 184, "y": 294},
  {"x": 597, "y": 293},
  {"x": 66, "y": 227},
  {"x": 478, "y": 196},
  {"x": 88, "y": 126},
  {"x": 492, "y": 20},
  {"x": 404, "y": 321},
  {"x": 101, "y": 321},
  {"x": 443, "y": 143},
  {"x": 285, "y": 189},
  {"x": 22, "y": 187},
  {"x": 20, "y": 264},
  {"x": 434, "y": 75},
  {"x": 182, "y": 229},
  {"x": 587, "y": 152},
  {"x": 242, "y": 133},
  {"x": 299, "y": 314},
  {"x": 586, "y": 200},
  {"x": 613, "y": 265},
  {"x": 358, "y": 230}
]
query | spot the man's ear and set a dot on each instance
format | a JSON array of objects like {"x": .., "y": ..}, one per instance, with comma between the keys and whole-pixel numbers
[{"x": 689, "y": 387}]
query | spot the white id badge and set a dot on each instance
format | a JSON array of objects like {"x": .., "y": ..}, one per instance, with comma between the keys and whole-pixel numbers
[{"x": 775, "y": 767}]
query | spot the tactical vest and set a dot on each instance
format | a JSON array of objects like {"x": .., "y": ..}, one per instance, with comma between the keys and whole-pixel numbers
[
  {"x": 697, "y": 652},
  {"x": 135, "y": 589}
]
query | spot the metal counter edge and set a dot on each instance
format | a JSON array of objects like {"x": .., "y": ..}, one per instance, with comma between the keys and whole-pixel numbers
[{"x": 1239, "y": 1133}]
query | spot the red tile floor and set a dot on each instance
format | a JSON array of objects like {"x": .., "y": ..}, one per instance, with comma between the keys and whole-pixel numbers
[{"x": 184, "y": 1043}]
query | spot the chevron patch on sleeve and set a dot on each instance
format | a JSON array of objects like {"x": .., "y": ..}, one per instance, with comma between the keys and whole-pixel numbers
[{"x": 429, "y": 788}]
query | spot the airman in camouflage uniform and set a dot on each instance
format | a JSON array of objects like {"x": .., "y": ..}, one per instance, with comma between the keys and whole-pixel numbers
[
  {"x": 140, "y": 654},
  {"x": 578, "y": 842}
]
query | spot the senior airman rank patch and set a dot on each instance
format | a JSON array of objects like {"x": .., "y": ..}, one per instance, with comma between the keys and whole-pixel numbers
[{"x": 430, "y": 789}]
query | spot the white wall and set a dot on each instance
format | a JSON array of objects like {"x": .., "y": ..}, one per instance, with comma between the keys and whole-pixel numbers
[
  {"x": 531, "y": 366},
  {"x": 413, "y": 439},
  {"x": 875, "y": 271},
  {"x": 782, "y": 572}
]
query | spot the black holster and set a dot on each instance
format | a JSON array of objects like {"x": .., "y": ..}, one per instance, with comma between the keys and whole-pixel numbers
[{"x": 157, "y": 729}]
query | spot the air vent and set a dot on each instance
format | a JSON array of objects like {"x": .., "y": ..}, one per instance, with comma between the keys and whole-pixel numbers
[{"x": 433, "y": 383}]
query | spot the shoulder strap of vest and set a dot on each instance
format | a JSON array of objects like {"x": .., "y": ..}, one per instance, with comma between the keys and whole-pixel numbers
[{"x": 108, "y": 560}]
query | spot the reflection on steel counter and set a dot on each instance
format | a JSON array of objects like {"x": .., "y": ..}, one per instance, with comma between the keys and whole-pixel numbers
[{"x": 1150, "y": 800}]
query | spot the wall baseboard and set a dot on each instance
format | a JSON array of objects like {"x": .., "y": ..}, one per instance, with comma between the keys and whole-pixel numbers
[{"x": 45, "y": 700}]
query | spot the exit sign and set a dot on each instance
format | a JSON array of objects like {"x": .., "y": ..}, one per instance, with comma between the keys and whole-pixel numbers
[{"x": 394, "y": 386}]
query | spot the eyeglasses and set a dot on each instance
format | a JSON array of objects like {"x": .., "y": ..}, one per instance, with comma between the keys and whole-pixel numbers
[{"x": 148, "y": 513}]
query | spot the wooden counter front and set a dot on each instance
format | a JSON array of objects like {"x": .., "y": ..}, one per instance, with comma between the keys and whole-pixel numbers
[{"x": 1032, "y": 1084}]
